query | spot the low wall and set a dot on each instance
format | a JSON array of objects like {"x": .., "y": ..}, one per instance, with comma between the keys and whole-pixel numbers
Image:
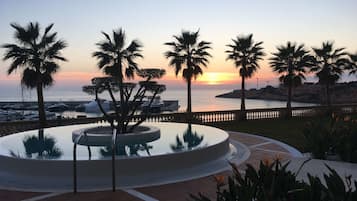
[{"x": 195, "y": 117}]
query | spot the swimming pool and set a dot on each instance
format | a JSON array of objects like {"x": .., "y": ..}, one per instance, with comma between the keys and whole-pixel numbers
[{"x": 43, "y": 159}]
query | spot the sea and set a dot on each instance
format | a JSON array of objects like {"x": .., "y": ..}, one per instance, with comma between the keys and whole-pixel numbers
[{"x": 203, "y": 99}]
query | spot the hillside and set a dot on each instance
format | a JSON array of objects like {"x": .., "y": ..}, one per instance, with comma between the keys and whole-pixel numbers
[{"x": 308, "y": 93}]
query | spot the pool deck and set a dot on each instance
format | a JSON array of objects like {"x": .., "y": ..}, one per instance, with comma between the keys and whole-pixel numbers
[{"x": 261, "y": 149}]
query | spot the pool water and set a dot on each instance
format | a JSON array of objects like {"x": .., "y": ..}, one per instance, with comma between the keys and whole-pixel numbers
[{"x": 56, "y": 143}]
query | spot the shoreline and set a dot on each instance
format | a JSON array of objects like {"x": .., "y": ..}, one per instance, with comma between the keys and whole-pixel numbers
[
  {"x": 341, "y": 93},
  {"x": 267, "y": 99}
]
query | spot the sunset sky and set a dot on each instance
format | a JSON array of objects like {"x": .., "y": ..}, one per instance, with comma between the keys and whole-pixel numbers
[{"x": 80, "y": 22}]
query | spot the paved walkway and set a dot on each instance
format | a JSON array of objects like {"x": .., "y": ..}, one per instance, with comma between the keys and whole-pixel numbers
[{"x": 261, "y": 149}]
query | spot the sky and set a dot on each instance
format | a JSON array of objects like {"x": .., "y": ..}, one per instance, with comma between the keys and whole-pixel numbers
[{"x": 154, "y": 22}]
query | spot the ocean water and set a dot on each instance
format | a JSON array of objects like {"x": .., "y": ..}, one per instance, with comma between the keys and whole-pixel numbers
[{"x": 202, "y": 99}]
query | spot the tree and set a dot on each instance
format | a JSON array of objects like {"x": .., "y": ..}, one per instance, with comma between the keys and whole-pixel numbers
[
  {"x": 291, "y": 62},
  {"x": 115, "y": 59},
  {"x": 245, "y": 54},
  {"x": 36, "y": 54},
  {"x": 352, "y": 67},
  {"x": 329, "y": 65},
  {"x": 187, "y": 51}
]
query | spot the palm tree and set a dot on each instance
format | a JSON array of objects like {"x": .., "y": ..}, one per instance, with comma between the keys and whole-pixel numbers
[
  {"x": 37, "y": 55},
  {"x": 291, "y": 62},
  {"x": 329, "y": 65},
  {"x": 189, "y": 52},
  {"x": 352, "y": 67},
  {"x": 115, "y": 59},
  {"x": 245, "y": 54}
]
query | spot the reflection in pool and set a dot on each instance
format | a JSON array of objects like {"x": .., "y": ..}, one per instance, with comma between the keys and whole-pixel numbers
[
  {"x": 39, "y": 147},
  {"x": 127, "y": 150},
  {"x": 56, "y": 143},
  {"x": 191, "y": 139}
]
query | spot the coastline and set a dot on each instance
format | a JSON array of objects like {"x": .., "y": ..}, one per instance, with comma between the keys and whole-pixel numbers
[{"x": 341, "y": 93}]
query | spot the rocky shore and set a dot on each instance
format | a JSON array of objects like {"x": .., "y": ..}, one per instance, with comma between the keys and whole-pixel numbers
[{"x": 306, "y": 93}]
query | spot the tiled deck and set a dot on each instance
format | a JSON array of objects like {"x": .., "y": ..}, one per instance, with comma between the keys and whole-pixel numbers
[{"x": 261, "y": 149}]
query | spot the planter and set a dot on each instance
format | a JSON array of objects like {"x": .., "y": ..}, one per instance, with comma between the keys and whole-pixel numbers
[{"x": 102, "y": 136}]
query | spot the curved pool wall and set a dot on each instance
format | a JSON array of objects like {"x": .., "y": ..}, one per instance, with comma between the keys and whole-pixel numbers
[
  {"x": 57, "y": 142},
  {"x": 165, "y": 164}
]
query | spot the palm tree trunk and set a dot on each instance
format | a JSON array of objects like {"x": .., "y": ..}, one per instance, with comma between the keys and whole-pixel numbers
[
  {"x": 121, "y": 91},
  {"x": 243, "y": 115},
  {"x": 189, "y": 106},
  {"x": 242, "y": 104},
  {"x": 288, "y": 104},
  {"x": 328, "y": 97},
  {"x": 121, "y": 119},
  {"x": 41, "y": 105}
]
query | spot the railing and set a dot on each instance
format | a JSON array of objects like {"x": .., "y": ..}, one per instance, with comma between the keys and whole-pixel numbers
[
  {"x": 200, "y": 117},
  {"x": 251, "y": 114}
]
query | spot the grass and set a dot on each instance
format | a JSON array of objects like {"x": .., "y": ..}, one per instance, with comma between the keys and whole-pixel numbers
[{"x": 289, "y": 131}]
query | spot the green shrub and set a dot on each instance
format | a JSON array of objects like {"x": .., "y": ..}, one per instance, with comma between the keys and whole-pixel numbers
[
  {"x": 319, "y": 138},
  {"x": 336, "y": 136},
  {"x": 334, "y": 190},
  {"x": 346, "y": 145},
  {"x": 273, "y": 182},
  {"x": 270, "y": 182}
]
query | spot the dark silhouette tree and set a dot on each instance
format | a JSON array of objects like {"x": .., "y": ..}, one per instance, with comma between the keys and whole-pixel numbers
[
  {"x": 187, "y": 51},
  {"x": 329, "y": 65},
  {"x": 116, "y": 60},
  {"x": 292, "y": 62},
  {"x": 245, "y": 54},
  {"x": 36, "y": 55}
]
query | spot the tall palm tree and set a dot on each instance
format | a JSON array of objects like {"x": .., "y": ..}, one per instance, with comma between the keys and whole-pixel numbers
[
  {"x": 187, "y": 51},
  {"x": 352, "y": 67},
  {"x": 36, "y": 54},
  {"x": 291, "y": 62},
  {"x": 245, "y": 54},
  {"x": 116, "y": 59},
  {"x": 329, "y": 65}
]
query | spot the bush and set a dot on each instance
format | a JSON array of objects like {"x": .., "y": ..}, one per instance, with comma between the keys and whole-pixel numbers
[
  {"x": 346, "y": 144},
  {"x": 335, "y": 136},
  {"x": 273, "y": 182},
  {"x": 319, "y": 138}
]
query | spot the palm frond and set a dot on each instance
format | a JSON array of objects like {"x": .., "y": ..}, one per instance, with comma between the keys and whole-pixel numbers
[
  {"x": 29, "y": 78},
  {"x": 245, "y": 54},
  {"x": 292, "y": 61},
  {"x": 107, "y": 36},
  {"x": 47, "y": 79},
  {"x": 329, "y": 63},
  {"x": 114, "y": 58},
  {"x": 187, "y": 49},
  {"x": 36, "y": 54},
  {"x": 119, "y": 39},
  {"x": 54, "y": 50},
  {"x": 50, "y": 67}
]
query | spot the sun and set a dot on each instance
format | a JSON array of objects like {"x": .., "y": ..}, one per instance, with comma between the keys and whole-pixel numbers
[{"x": 215, "y": 78}]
